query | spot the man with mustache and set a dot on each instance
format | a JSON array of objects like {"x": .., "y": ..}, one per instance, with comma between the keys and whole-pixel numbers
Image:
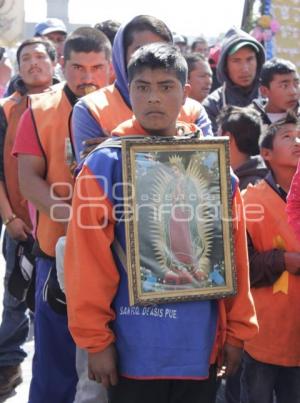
[
  {"x": 42, "y": 145},
  {"x": 36, "y": 58}
]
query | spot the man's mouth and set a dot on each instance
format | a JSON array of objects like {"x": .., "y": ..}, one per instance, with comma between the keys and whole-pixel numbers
[
  {"x": 154, "y": 113},
  {"x": 293, "y": 102},
  {"x": 246, "y": 78},
  {"x": 88, "y": 88},
  {"x": 34, "y": 70}
]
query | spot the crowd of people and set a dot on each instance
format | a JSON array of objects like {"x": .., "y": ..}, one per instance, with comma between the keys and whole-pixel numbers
[{"x": 64, "y": 115}]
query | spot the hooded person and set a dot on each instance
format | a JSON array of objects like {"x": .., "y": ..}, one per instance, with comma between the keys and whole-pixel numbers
[
  {"x": 96, "y": 115},
  {"x": 238, "y": 71}
]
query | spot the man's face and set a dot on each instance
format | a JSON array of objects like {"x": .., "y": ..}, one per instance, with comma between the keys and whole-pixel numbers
[
  {"x": 86, "y": 72},
  {"x": 241, "y": 67},
  {"x": 286, "y": 148},
  {"x": 141, "y": 38},
  {"x": 156, "y": 97},
  {"x": 283, "y": 92},
  {"x": 36, "y": 68},
  {"x": 202, "y": 47},
  {"x": 200, "y": 80},
  {"x": 58, "y": 39}
]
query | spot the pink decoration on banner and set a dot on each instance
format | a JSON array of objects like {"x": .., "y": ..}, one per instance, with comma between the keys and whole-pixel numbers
[
  {"x": 275, "y": 26},
  {"x": 257, "y": 33}
]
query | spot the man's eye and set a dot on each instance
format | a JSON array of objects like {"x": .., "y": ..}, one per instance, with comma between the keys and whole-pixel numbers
[{"x": 142, "y": 88}]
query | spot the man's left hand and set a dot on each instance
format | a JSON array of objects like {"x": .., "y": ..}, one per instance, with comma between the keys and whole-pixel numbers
[{"x": 231, "y": 360}]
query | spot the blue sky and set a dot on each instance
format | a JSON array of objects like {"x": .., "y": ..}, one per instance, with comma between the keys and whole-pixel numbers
[{"x": 188, "y": 17}]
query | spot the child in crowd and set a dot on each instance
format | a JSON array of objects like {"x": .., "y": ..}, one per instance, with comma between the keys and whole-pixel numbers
[
  {"x": 279, "y": 85},
  {"x": 243, "y": 126},
  {"x": 272, "y": 358}
]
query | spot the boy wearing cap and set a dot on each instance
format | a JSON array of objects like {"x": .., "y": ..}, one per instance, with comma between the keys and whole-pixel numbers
[
  {"x": 55, "y": 30},
  {"x": 238, "y": 70}
]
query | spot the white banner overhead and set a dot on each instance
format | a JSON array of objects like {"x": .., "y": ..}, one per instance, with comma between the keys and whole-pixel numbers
[{"x": 12, "y": 18}]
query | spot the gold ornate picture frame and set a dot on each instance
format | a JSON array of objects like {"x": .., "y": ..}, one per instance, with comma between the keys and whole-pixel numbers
[{"x": 178, "y": 220}]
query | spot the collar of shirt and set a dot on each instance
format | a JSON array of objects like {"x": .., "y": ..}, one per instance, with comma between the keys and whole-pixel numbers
[
  {"x": 278, "y": 189},
  {"x": 72, "y": 98}
]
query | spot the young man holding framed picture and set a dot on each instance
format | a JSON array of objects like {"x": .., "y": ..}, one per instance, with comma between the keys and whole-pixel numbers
[{"x": 141, "y": 357}]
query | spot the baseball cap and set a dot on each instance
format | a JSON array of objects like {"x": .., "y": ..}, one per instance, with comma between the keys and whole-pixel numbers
[
  {"x": 242, "y": 44},
  {"x": 48, "y": 26}
]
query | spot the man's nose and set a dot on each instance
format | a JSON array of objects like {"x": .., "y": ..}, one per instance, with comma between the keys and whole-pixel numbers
[
  {"x": 245, "y": 67},
  {"x": 153, "y": 97},
  {"x": 87, "y": 76},
  {"x": 295, "y": 89},
  {"x": 209, "y": 80}
]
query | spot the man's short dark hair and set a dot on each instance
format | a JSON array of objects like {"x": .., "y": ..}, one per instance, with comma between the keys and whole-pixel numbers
[
  {"x": 199, "y": 39},
  {"x": 158, "y": 56},
  {"x": 50, "y": 49},
  {"x": 146, "y": 23},
  {"x": 109, "y": 28},
  {"x": 244, "y": 124},
  {"x": 87, "y": 39},
  {"x": 192, "y": 59},
  {"x": 275, "y": 66},
  {"x": 268, "y": 135}
]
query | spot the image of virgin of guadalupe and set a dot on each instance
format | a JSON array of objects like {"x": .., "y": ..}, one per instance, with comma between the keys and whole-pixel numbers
[{"x": 175, "y": 229}]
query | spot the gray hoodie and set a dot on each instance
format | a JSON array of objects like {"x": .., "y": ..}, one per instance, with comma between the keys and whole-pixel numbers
[{"x": 230, "y": 93}]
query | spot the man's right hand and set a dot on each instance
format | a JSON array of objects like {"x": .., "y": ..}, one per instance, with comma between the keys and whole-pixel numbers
[
  {"x": 102, "y": 366},
  {"x": 292, "y": 262},
  {"x": 18, "y": 230}
]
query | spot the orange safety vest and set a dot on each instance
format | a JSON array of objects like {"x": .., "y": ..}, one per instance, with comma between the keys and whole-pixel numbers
[
  {"x": 109, "y": 109},
  {"x": 51, "y": 112},
  {"x": 14, "y": 106},
  {"x": 277, "y": 305}
]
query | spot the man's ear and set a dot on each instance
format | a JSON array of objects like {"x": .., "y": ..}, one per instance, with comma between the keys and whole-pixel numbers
[
  {"x": 186, "y": 92},
  {"x": 266, "y": 154},
  {"x": 112, "y": 75},
  {"x": 62, "y": 62},
  {"x": 264, "y": 91}
]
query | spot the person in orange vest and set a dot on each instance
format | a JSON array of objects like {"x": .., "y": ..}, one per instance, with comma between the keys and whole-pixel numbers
[
  {"x": 96, "y": 115},
  {"x": 142, "y": 358},
  {"x": 36, "y": 58},
  {"x": 43, "y": 149},
  {"x": 271, "y": 363}
]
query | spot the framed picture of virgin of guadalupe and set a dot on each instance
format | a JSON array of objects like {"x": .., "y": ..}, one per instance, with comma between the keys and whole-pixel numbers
[{"x": 177, "y": 196}]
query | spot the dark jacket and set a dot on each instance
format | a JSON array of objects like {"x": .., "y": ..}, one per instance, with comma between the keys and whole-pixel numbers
[
  {"x": 251, "y": 172},
  {"x": 229, "y": 93}
]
